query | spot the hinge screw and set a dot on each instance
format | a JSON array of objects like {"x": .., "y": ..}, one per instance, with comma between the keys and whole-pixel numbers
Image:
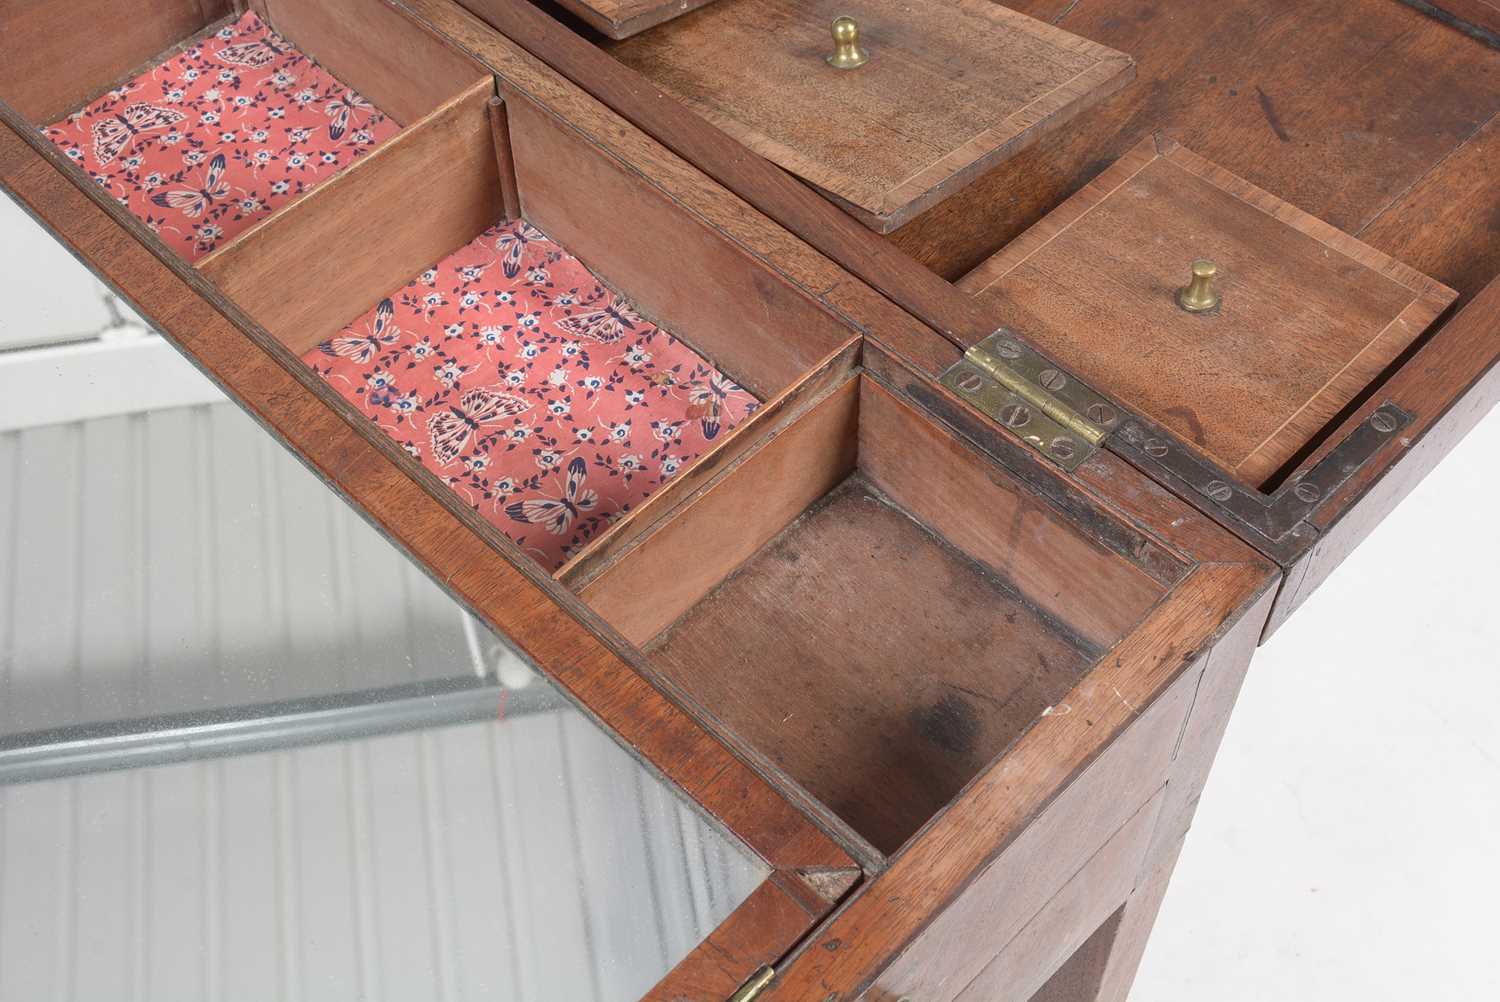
[
  {"x": 1219, "y": 491},
  {"x": 1015, "y": 416},
  {"x": 1155, "y": 448},
  {"x": 1383, "y": 422},
  {"x": 970, "y": 382},
  {"x": 1102, "y": 414},
  {"x": 1308, "y": 492}
]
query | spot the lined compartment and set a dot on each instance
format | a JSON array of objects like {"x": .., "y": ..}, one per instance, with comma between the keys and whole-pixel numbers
[
  {"x": 221, "y": 134},
  {"x": 874, "y": 605},
  {"x": 527, "y": 332},
  {"x": 538, "y": 394},
  {"x": 244, "y": 116}
]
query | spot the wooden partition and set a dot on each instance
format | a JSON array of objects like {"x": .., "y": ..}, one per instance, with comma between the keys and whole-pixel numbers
[
  {"x": 59, "y": 55},
  {"x": 676, "y": 268},
  {"x": 402, "y": 67},
  {"x": 335, "y": 252}
]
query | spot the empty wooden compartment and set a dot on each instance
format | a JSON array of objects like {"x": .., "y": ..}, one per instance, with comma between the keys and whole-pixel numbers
[{"x": 840, "y": 600}]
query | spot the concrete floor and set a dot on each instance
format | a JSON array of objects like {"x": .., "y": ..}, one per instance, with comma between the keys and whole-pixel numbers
[{"x": 1348, "y": 843}]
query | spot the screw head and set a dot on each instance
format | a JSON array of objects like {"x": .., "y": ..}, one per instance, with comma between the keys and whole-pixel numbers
[
  {"x": 1219, "y": 491},
  {"x": 1155, "y": 448},
  {"x": 1307, "y": 492},
  {"x": 1102, "y": 414},
  {"x": 1015, "y": 415},
  {"x": 969, "y": 382},
  {"x": 1051, "y": 379},
  {"x": 1064, "y": 448},
  {"x": 1383, "y": 422},
  {"x": 1007, "y": 349}
]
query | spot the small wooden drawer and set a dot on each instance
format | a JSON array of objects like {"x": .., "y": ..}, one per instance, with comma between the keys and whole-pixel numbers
[
  {"x": 640, "y": 429},
  {"x": 949, "y": 90},
  {"x": 1303, "y": 317}
]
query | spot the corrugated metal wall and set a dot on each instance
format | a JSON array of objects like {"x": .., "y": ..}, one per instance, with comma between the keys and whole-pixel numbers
[
  {"x": 182, "y": 560},
  {"x": 173, "y": 559},
  {"x": 526, "y": 860}
]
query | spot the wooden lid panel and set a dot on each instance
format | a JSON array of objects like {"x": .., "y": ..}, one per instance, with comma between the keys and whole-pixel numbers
[
  {"x": 949, "y": 90},
  {"x": 1309, "y": 316}
]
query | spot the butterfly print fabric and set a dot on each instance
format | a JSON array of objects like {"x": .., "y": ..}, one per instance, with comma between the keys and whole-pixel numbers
[
  {"x": 216, "y": 138},
  {"x": 533, "y": 391}
]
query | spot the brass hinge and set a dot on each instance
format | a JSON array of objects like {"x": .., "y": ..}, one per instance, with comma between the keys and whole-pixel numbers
[
  {"x": 753, "y": 987},
  {"x": 1049, "y": 409}
]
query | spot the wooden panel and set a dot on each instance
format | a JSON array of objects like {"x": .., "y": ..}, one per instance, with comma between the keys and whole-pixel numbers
[
  {"x": 623, "y": 18},
  {"x": 874, "y": 664},
  {"x": 996, "y": 905},
  {"x": 55, "y": 56},
  {"x": 405, "y": 70},
  {"x": 950, "y": 90},
  {"x": 1218, "y": 687},
  {"x": 1077, "y": 980},
  {"x": 668, "y": 570},
  {"x": 1450, "y": 384},
  {"x": 761, "y": 930},
  {"x": 973, "y": 503},
  {"x": 759, "y": 328},
  {"x": 1068, "y": 921},
  {"x": 335, "y": 252},
  {"x": 994, "y": 815},
  {"x": 1337, "y": 106},
  {"x": 1310, "y": 316},
  {"x": 602, "y": 550},
  {"x": 1448, "y": 223},
  {"x": 1469, "y": 14}
]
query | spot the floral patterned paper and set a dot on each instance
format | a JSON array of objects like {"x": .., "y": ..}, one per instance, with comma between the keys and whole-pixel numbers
[
  {"x": 219, "y": 136},
  {"x": 544, "y": 400}
]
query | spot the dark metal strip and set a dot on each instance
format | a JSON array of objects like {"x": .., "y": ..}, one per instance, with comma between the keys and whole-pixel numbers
[{"x": 1278, "y": 517}]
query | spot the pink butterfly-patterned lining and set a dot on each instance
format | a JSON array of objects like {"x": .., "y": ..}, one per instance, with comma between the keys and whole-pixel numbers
[
  {"x": 214, "y": 139},
  {"x": 533, "y": 391}
]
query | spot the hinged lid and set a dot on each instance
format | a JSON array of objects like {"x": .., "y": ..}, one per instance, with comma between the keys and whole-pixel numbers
[
  {"x": 1052, "y": 411},
  {"x": 1296, "y": 318},
  {"x": 948, "y": 91}
]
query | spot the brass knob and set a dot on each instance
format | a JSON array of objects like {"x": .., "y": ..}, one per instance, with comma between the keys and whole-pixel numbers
[
  {"x": 847, "y": 54},
  {"x": 1199, "y": 295}
]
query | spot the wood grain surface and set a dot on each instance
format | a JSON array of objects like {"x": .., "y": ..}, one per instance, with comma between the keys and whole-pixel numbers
[
  {"x": 54, "y": 57},
  {"x": 401, "y": 67},
  {"x": 1030, "y": 821},
  {"x": 1339, "y": 107},
  {"x": 950, "y": 90},
  {"x": 879, "y": 667},
  {"x": 1310, "y": 316},
  {"x": 623, "y": 18}
]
